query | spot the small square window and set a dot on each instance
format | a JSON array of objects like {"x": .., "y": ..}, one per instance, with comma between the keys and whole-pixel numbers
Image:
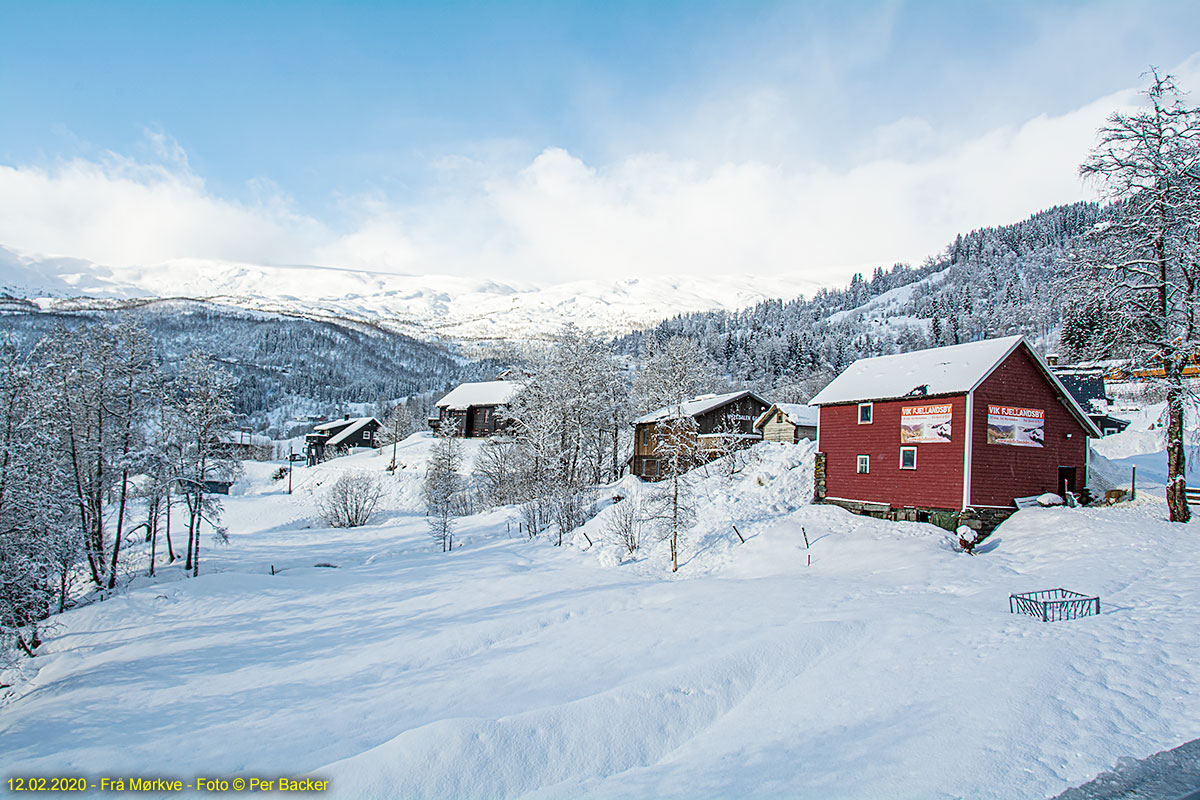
[
  {"x": 864, "y": 413},
  {"x": 864, "y": 465},
  {"x": 908, "y": 458}
]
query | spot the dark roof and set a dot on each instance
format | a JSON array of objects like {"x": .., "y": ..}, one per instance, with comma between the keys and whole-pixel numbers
[{"x": 1085, "y": 388}]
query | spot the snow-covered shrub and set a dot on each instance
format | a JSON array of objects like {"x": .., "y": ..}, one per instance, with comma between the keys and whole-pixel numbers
[
  {"x": 625, "y": 523},
  {"x": 572, "y": 509},
  {"x": 351, "y": 500}
]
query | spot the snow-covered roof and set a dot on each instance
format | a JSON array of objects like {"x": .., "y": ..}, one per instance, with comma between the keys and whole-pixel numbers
[
  {"x": 480, "y": 393},
  {"x": 956, "y": 369},
  {"x": 355, "y": 426},
  {"x": 796, "y": 414},
  {"x": 338, "y": 423},
  {"x": 696, "y": 406}
]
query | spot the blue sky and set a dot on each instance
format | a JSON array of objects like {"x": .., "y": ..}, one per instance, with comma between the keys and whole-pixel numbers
[{"x": 556, "y": 139}]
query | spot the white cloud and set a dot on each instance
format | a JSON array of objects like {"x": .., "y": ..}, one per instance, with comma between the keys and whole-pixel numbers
[
  {"x": 121, "y": 211},
  {"x": 912, "y": 189}
]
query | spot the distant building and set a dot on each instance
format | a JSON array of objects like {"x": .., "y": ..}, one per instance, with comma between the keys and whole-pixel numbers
[
  {"x": 246, "y": 446},
  {"x": 718, "y": 417},
  {"x": 473, "y": 410},
  {"x": 1086, "y": 385},
  {"x": 340, "y": 436},
  {"x": 788, "y": 422},
  {"x": 964, "y": 429}
]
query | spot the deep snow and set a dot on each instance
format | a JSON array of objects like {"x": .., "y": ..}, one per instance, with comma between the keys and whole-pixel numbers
[{"x": 890, "y": 667}]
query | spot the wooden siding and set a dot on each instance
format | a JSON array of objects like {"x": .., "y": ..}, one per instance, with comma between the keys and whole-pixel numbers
[
  {"x": 937, "y": 482},
  {"x": 779, "y": 429},
  {"x": 737, "y": 417},
  {"x": 474, "y": 422},
  {"x": 775, "y": 431},
  {"x": 1001, "y": 472}
]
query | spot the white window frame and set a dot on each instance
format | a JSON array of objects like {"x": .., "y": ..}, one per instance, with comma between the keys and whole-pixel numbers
[
  {"x": 870, "y": 407},
  {"x": 863, "y": 464},
  {"x": 914, "y": 457}
]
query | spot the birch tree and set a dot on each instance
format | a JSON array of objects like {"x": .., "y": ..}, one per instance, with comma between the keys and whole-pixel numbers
[
  {"x": 202, "y": 407},
  {"x": 1148, "y": 165},
  {"x": 672, "y": 504}
]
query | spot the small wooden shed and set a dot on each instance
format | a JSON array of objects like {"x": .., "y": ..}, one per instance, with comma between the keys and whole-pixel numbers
[{"x": 788, "y": 422}]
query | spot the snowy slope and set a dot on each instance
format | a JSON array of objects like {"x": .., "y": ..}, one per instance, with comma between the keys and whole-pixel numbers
[
  {"x": 883, "y": 311},
  {"x": 439, "y": 305},
  {"x": 889, "y": 667}
]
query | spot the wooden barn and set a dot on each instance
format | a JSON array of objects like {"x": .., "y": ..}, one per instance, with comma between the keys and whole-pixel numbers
[
  {"x": 718, "y": 418},
  {"x": 340, "y": 436},
  {"x": 965, "y": 429},
  {"x": 788, "y": 422},
  {"x": 472, "y": 410}
]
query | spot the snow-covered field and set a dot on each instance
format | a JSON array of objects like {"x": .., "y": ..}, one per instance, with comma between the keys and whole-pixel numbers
[{"x": 889, "y": 667}]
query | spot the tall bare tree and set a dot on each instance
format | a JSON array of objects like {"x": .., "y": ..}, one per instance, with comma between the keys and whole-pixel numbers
[{"x": 1148, "y": 165}]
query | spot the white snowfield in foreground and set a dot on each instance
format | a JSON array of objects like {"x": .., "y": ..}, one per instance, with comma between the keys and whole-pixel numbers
[{"x": 889, "y": 668}]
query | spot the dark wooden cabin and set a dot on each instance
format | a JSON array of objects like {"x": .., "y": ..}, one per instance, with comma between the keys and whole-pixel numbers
[
  {"x": 718, "y": 418},
  {"x": 964, "y": 429},
  {"x": 339, "y": 437},
  {"x": 474, "y": 410}
]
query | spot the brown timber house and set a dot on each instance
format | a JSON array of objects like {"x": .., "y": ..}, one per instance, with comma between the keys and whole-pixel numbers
[
  {"x": 474, "y": 410},
  {"x": 718, "y": 419}
]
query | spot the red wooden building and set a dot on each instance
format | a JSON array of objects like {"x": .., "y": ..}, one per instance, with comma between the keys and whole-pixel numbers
[{"x": 966, "y": 428}]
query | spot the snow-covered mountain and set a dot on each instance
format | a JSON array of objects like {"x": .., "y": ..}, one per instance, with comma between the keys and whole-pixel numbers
[{"x": 442, "y": 306}]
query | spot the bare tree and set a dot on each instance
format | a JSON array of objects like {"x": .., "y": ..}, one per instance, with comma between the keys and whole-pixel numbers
[
  {"x": 1148, "y": 164},
  {"x": 672, "y": 506},
  {"x": 202, "y": 406},
  {"x": 678, "y": 370},
  {"x": 398, "y": 424},
  {"x": 497, "y": 472},
  {"x": 351, "y": 500},
  {"x": 626, "y": 521}
]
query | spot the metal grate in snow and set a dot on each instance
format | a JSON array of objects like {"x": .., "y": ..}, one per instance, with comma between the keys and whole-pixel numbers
[{"x": 1053, "y": 605}]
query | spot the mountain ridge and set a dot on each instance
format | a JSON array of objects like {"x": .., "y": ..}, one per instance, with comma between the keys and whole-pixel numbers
[{"x": 444, "y": 307}]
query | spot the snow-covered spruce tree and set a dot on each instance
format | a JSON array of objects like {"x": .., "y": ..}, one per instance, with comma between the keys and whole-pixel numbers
[
  {"x": 351, "y": 500},
  {"x": 201, "y": 404},
  {"x": 443, "y": 483},
  {"x": 1148, "y": 247}
]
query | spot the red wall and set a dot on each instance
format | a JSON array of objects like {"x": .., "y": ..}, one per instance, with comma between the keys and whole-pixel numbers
[
  {"x": 1001, "y": 472},
  {"x": 935, "y": 483}
]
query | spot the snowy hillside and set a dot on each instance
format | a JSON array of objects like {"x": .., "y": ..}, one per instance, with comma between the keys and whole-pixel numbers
[
  {"x": 889, "y": 666},
  {"x": 433, "y": 305}
]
